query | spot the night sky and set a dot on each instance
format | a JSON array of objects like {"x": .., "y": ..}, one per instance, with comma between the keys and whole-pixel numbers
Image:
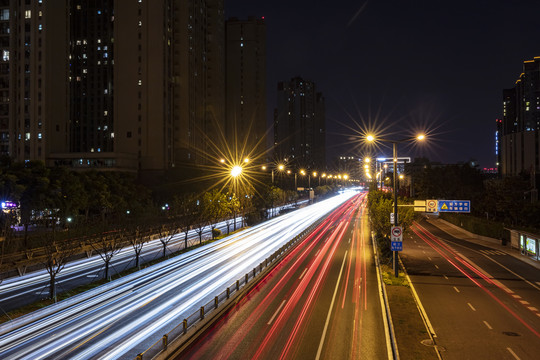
[{"x": 402, "y": 65}]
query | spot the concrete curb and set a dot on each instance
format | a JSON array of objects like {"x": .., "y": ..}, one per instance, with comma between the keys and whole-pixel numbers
[{"x": 391, "y": 342}]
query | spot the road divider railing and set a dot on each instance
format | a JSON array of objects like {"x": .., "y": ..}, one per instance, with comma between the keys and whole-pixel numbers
[{"x": 186, "y": 332}]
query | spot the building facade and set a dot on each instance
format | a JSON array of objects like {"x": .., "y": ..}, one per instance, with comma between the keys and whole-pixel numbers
[
  {"x": 299, "y": 124},
  {"x": 111, "y": 85},
  {"x": 246, "y": 126},
  {"x": 518, "y": 129}
]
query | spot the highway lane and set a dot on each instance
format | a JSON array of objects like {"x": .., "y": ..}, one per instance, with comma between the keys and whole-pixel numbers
[
  {"x": 34, "y": 286},
  {"x": 321, "y": 302},
  {"x": 136, "y": 310},
  {"x": 481, "y": 303}
]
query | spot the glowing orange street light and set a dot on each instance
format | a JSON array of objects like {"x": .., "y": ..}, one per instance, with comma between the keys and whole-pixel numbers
[{"x": 236, "y": 171}]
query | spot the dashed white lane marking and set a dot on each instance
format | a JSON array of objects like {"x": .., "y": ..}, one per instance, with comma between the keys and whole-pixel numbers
[
  {"x": 516, "y": 296},
  {"x": 513, "y": 353},
  {"x": 524, "y": 302},
  {"x": 437, "y": 266},
  {"x": 455, "y": 288},
  {"x": 277, "y": 312},
  {"x": 429, "y": 258},
  {"x": 487, "y": 325},
  {"x": 446, "y": 277},
  {"x": 302, "y": 275},
  {"x": 472, "y": 307},
  {"x": 532, "y": 308}
]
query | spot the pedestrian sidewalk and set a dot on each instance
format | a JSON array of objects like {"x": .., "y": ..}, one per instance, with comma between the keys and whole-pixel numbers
[{"x": 492, "y": 243}]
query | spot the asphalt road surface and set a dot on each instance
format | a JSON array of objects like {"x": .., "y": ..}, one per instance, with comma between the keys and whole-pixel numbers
[
  {"x": 482, "y": 302},
  {"x": 320, "y": 302},
  {"x": 125, "y": 317}
]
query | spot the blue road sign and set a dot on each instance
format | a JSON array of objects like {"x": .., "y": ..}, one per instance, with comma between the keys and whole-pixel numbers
[
  {"x": 396, "y": 246},
  {"x": 454, "y": 206}
]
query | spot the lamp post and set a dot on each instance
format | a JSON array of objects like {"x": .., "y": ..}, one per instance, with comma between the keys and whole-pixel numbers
[
  {"x": 236, "y": 171},
  {"x": 278, "y": 167},
  {"x": 371, "y": 138}
]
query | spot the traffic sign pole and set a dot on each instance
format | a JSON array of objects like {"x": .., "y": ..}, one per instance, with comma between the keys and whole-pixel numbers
[{"x": 396, "y": 222}]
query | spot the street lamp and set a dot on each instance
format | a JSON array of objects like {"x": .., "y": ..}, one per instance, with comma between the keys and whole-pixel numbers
[
  {"x": 279, "y": 167},
  {"x": 315, "y": 175},
  {"x": 371, "y": 138},
  {"x": 236, "y": 171}
]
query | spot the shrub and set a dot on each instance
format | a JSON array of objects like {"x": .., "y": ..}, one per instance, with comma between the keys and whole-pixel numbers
[{"x": 216, "y": 232}]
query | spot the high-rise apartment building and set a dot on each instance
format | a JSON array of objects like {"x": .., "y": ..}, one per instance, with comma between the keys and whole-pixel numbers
[
  {"x": 199, "y": 86},
  {"x": 299, "y": 124},
  {"x": 520, "y": 126},
  {"x": 246, "y": 125},
  {"x": 119, "y": 85}
]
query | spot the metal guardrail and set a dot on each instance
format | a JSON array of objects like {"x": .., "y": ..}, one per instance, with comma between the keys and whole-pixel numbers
[{"x": 179, "y": 333}]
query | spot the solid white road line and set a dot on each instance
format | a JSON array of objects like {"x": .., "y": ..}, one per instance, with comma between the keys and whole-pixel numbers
[{"x": 330, "y": 309}]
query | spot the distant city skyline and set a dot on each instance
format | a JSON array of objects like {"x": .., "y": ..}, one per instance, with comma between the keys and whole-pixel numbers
[{"x": 429, "y": 65}]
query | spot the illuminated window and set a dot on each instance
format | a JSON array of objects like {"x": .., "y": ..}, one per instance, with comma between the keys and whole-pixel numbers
[{"x": 28, "y": 14}]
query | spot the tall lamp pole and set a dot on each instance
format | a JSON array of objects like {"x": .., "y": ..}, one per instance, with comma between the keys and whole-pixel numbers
[
  {"x": 371, "y": 138},
  {"x": 396, "y": 223}
]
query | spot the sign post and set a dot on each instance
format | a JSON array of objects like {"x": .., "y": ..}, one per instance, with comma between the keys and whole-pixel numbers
[{"x": 396, "y": 238}]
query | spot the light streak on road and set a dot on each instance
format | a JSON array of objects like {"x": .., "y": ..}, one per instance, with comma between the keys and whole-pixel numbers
[
  {"x": 323, "y": 257},
  {"x": 136, "y": 310},
  {"x": 295, "y": 310},
  {"x": 455, "y": 259},
  {"x": 37, "y": 282}
]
